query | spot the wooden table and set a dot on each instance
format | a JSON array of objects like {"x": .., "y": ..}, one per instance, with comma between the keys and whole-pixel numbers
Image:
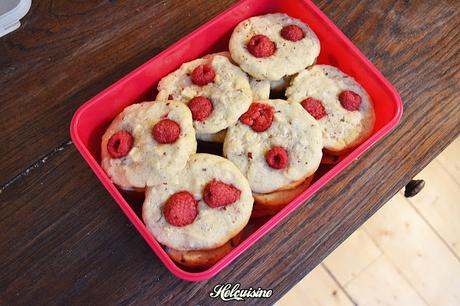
[{"x": 64, "y": 240}]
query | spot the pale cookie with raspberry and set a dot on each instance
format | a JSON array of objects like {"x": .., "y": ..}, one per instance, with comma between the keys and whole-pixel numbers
[
  {"x": 340, "y": 105},
  {"x": 148, "y": 143},
  {"x": 273, "y": 46},
  {"x": 209, "y": 204},
  {"x": 216, "y": 91},
  {"x": 276, "y": 145}
]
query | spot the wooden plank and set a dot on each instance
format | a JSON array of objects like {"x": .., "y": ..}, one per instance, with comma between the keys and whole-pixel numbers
[
  {"x": 439, "y": 202},
  {"x": 316, "y": 289},
  {"x": 381, "y": 284},
  {"x": 352, "y": 257},
  {"x": 450, "y": 159},
  {"x": 417, "y": 252}
]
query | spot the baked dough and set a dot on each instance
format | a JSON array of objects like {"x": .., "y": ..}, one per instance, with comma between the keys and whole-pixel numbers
[
  {"x": 212, "y": 227},
  {"x": 342, "y": 129},
  {"x": 230, "y": 92},
  {"x": 149, "y": 162},
  {"x": 292, "y": 128},
  {"x": 289, "y": 58}
]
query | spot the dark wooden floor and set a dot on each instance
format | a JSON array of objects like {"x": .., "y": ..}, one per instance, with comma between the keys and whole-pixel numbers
[{"x": 64, "y": 240}]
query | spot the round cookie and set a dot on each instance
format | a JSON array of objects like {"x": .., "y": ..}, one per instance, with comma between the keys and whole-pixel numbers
[
  {"x": 216, "y": 91},
  {"x": 220, "y": 212},
  {"x": 275, "y": 144},
  {"x": 148, "y": 143},
  {"x": 342, "y": 107},
  {"x": 265, "y": 50}
]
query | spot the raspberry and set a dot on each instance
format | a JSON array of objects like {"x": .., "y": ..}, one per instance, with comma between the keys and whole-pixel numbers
[
  {"x": 203, "y": 75},
  {"x": 201, "y": 107},
  {"x": 180, "y": 209},
  {"x": 314, "y": 107},
  {"x": 350, "y": 100},
  {"x": 166, "y": 131},
  {"x": 261, "y": 46},
  {"x": 120, "y": 144},
  {"x": 277, "y": 158},
  {"x": 292, "y": 33},
  {"x": 259, "y": 116},
  {"x": 218, "y": 194}
]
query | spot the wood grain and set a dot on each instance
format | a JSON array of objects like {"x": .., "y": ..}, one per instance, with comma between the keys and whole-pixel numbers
[
  {"x": 416, "y": 251},
  {"x": 450, "y": 160},
  {"x": 67, "y": 242},
  {"x": 318, "y": 289},
  {"x": 382, "y": 277},
  {"x": 352, "y": 257},
  {"x": 438, "y": 204}
]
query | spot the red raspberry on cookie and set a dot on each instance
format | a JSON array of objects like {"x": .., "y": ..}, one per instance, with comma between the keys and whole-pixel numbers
[
  {"x": 120, "y": 144},
  {"x": 218, "y": 194},
  {"x": 259, "y": 116},
  {"x": 314, "y": 107},
  {"x": 166, "y": 131},
  {"x": 292, "y": 33},
  {"x": 277, "y": 158},
  {"x": 203, "y": 74},
  {"x": 350, "y": 100},
  {"x": 180, "y": 209},
  {"x": 201, "y": 107},
  {"x": 261, "y": 46}
]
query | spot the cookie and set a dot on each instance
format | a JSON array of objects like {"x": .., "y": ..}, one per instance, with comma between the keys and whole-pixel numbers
[
  {"x": 202, "y": 209},
  {"x": 341, "y": 106},
  {"x": 216, "y": 91},
  {"x": 273, "y": 46},
  {"x": 276, "y": 145},
  {"x": 147, "y": 143}
]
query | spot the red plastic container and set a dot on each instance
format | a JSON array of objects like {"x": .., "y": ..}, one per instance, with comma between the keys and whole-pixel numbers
[{"x": 92, "y": 118}]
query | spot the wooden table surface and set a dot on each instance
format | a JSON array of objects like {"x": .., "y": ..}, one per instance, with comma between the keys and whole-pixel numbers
[{"x": 64, "y": 240}]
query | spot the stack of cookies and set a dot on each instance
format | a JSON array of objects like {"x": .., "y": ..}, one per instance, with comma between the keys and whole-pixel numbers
[{"x": 278, "y": 116}]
